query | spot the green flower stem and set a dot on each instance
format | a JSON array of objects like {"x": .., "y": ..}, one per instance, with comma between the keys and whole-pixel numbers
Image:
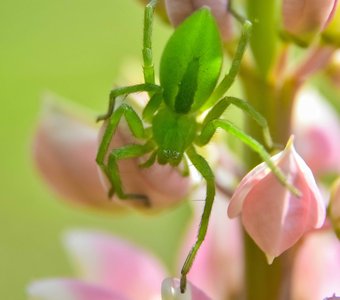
[{"x": 274, "y": 100}]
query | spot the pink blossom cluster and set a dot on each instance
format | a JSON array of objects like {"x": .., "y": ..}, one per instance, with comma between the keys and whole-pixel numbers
[{"x": 102, "y": 260}]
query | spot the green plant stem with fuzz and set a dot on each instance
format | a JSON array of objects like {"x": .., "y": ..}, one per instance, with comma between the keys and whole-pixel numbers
[{"x": 274, "y": 100}]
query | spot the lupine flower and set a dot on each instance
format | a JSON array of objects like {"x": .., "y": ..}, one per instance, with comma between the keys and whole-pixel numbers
[
  {"x": 64, "y": 150},
  {"x": 315, "y": 126},
  {"x": 316, "y": 270},
  {"x": 178, "y": 10},
  {"x": 303, "y": 19},
  {"x": 274, "y": 217},
  {"x": 109, "y": 269}
]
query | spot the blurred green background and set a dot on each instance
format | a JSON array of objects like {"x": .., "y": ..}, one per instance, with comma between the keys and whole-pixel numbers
[{"x": 76, "y": 49}]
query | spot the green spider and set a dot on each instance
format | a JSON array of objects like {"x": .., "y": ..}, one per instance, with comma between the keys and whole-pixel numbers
[{"x": 189, "y": 70}]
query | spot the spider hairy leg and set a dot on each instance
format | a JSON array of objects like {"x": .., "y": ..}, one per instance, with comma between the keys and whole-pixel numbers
[{"x": 204, "y": 169}]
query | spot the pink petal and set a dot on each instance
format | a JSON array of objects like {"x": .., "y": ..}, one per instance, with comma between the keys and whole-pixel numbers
[
  {"x": 274, "y": 217},
  {"x": 246, "y": 184},
  {"x": 69, "y": 289},
  {"x": 64, "y": 150},
  {"x": 316, "y": 272},
  {"x": 115, "y": 264}
]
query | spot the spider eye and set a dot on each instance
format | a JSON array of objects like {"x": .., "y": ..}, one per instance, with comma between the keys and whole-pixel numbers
[{"x": 173, "y": 157}]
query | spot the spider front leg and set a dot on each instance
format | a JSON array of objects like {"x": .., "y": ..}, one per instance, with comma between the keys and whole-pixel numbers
[
  {"x": 204, "y": 169},
  {"x": 109, "y": 169},
  {"x": 235, "y": 66},
  {"x": 224, "y": 103},
  {"x": 210, "y": 128},
  {"x": 148, "y": 67},
  {"x": 126, "y": 90}
]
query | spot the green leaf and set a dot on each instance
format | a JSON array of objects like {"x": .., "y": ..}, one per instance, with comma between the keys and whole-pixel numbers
[{"x": 191, "y": 62}]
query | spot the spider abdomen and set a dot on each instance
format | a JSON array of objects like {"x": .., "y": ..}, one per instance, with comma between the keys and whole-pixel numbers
[{"x": 191, "y": 63}]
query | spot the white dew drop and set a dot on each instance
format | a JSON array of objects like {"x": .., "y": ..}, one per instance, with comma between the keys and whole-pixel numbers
[{"x": 171, "y": 290}]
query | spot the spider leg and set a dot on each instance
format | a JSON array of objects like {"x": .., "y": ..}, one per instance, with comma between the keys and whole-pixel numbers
[
  {"x": 125, "y": 152},
  {"x": 203, "y": 168},
  {"x": 144, "y": 87},
  {"x": 229, "y": 78},
  {"x": 148, "y": 67},
  {"x": 210, "y": 128},
  {"x": 152, "y": 106},
  {"x": 224, "y": 103},
  {"x": 136, "y": 126}
]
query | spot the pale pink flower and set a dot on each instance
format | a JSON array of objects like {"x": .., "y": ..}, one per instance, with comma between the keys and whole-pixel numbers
[
  {"x": 316, "y": 127},
  {"x": 273, "y": 216},
  {"x": 65, "y": 146},
  {"x": 109, "y": 269},
  {"x": 303, "y": 19},
  {"x": 316, "y": 272},
  {"x": 179, "y": 10}
]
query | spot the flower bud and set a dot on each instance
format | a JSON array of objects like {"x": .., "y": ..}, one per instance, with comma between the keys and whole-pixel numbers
[
  {"x": 178, "y": 10},
  {"x": 303, "y": 19},
  {"x": 274, "y": 217},
  {"x": 334, "y": 206}
]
